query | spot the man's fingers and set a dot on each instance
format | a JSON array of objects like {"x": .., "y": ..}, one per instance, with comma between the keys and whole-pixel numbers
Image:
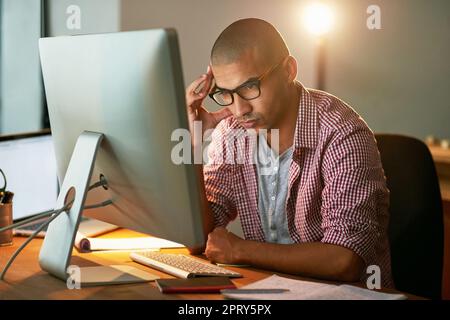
[
  {"x": 193, "y": 98},
  {"x": 194, "y": 86},
  {"x": 221, "y": 114},
  {"x": 206, "y": 85},
  {"x": 199, "y": 88},
  {"x": 210, "y": 78}
]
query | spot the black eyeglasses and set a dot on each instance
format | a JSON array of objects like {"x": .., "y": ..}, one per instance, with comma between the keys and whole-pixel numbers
[{"x": 249, "y": 90}]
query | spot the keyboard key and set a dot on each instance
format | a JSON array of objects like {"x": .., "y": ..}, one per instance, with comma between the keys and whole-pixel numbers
[{"x": 180, "y": 265}]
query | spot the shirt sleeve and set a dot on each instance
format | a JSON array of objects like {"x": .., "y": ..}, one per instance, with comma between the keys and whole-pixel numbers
[
  {"x": 355, "y": 196},
  {"x": 218, "y": 177}
]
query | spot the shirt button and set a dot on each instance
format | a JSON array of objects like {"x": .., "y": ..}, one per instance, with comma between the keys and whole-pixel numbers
[
  {"x": 273, "y": 198},
  {"x": 275, "y": 168},
  {"x": 274, "y": 183}
]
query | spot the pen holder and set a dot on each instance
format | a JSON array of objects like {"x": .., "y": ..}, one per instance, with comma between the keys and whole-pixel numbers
[{"x": 6, "y": 220}]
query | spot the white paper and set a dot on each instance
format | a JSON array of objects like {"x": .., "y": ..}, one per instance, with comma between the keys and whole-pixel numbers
[
  {"x": 114, "y": 274},
  {"x": 307, "y": 290},
  {"x": 93, "y": 244}
]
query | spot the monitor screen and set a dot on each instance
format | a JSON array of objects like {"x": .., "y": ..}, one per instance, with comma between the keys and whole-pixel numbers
[
  {"x": 28, "y": 162},
  {"x": 128, "y": 87}
]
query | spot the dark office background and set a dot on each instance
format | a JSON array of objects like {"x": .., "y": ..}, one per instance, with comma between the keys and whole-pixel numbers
[{"x": 397, "y": 78}]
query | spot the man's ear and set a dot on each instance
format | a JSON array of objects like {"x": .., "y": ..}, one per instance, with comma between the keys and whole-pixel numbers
[{"x": 291, "y": 69}]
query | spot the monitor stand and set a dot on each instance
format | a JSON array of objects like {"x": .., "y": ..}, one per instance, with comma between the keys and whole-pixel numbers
[{"x": 56, "y": 251}]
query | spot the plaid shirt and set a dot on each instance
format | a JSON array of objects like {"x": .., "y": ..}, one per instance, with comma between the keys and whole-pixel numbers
[{"x": 337, "y": 190}]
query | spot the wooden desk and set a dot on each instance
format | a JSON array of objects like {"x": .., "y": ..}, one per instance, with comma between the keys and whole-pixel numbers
[{"x": 25, "y": 279}]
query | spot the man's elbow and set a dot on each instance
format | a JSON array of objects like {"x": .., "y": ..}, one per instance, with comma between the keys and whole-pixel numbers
[{"x": 350, "y": 268}]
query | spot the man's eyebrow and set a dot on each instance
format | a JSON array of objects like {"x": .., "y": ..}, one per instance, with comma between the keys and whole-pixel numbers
[{"x": 216, "y": 87}]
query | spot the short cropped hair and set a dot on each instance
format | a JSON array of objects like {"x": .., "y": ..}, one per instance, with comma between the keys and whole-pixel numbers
[{"x": 249, "y": 34}]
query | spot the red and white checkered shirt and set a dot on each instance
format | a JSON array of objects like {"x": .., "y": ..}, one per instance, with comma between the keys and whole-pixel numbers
[{"x": 337, "y": 190}]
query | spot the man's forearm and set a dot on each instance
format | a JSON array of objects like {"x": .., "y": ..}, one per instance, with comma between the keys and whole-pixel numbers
[{"x": 314, "y": 259}]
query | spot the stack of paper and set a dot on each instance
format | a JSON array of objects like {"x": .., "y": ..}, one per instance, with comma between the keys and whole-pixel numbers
[
  {"x": 306, "y": 290},
  {"x": 85, "y": 241},
  {"x": 94, "y": 244},
  {"x": 115, "y": 274}
]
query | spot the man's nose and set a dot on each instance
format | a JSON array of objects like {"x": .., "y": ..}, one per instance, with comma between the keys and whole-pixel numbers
[{"x": 241, "y": 106}]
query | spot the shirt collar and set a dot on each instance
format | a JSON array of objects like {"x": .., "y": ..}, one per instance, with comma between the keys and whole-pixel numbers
[{"x": 306, "y": 130}]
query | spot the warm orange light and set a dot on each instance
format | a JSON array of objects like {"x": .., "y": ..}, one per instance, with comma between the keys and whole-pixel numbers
[{"x": 318, "y": 18}]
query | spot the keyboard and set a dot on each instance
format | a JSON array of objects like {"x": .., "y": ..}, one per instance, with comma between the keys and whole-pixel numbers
[{"x": 180, "y": 265}]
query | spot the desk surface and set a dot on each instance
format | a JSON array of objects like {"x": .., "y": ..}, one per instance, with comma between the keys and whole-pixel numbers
[{"x": 25, "y": 279}]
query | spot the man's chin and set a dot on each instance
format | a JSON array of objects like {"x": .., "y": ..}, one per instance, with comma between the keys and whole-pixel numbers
[
  {"x": 249, "y": 124},
  {"x": 258, "y": 130}
]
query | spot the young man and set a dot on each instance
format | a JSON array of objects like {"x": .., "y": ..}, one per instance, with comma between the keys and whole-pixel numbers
[{"x": 323, "y": 211}]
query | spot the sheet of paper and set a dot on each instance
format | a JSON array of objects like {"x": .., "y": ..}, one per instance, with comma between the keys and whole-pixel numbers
[
  {"x": 92, "y": 227},
  {"x": 94, "y": 244},
  {"x": 114, "y": 274},
  {"x": 348, "y": 292},
  {"x": 307, "y": 290}
]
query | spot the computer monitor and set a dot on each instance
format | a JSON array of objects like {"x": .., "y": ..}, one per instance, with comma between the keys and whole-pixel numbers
[
  {"x": 28, "y": 161},
  {"x": 127, "y": 86}
]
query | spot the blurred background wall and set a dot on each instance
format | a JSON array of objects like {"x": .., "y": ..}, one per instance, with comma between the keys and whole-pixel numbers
[
  {"x": 397, "y": 77},
  {"x": 21, "y": 95}
]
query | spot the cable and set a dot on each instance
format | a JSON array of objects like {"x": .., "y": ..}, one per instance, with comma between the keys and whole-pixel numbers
[
  {"x": 47, "y": 213},
  {"x": 32, "y": 236},
  {"x": 98, "y": 205},
  {"x": 100, "y": 183},
  {"x": 50, "y": 212},
  {"x": 37, "y": 217},
  {"x": 3, "y": 189},
  {"x": 53, "y": 214},
  {"x": 16, "y": 253}
]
